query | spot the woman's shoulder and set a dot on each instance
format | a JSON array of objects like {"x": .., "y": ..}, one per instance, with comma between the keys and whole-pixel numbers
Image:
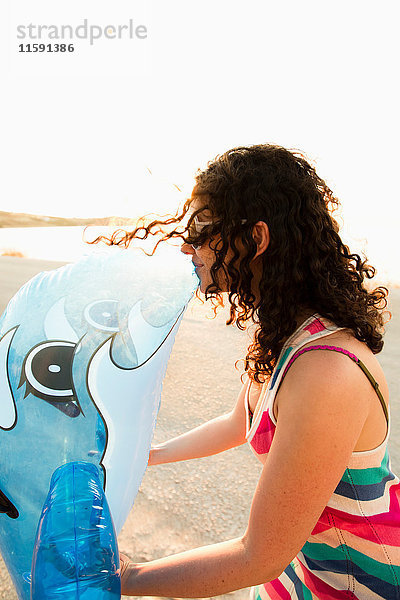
[
  {"x": 334, "y": 369},
  {"x": 343, "y": 339}
]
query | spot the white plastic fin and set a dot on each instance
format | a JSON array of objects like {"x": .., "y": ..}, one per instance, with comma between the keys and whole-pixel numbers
[
  {"x": 8, "y": 413},
  {"x": 56, "y": 325}
]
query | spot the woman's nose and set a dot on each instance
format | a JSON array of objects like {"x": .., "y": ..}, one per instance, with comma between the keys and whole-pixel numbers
[{"x": 187, "y": 248}]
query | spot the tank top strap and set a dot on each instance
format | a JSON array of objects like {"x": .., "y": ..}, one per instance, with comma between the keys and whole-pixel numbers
[
  {"x": 312, "y": 329},
  {"x": 353, "y": 357}
]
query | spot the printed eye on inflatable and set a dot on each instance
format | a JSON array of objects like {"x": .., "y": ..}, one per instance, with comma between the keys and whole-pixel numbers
[{"x": 83, "y": 353}]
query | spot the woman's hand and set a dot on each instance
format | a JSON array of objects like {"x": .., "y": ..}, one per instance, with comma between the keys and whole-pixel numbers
[
  {"x": 125, "y": 571},
  {"x": 154, "y": 456}
]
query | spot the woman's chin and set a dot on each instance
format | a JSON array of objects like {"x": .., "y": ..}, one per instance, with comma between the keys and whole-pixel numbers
[
  {"x": 206, "y": 281},
  {"x": 204, "y": 285}
]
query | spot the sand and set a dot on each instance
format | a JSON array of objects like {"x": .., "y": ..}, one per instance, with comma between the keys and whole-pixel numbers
[{"x": 191, "y": 503}]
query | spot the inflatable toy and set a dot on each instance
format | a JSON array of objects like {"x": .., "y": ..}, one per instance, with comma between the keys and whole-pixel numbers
[{"x": 83, "y": 352}]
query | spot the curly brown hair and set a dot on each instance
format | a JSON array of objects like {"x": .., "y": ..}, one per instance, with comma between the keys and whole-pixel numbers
[{"x": 306, "y": 264}]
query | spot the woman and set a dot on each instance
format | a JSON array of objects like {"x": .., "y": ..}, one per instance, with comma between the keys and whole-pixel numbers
[{"x": 324, "y": 520}]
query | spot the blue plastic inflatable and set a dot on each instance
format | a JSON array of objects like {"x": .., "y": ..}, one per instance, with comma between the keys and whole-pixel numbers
[
  {"x": 76, "y": 552},
  {"x": 83, "y": 352}
]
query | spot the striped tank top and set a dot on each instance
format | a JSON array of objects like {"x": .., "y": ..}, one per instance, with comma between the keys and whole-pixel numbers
[{"x": 354, "y": 549}]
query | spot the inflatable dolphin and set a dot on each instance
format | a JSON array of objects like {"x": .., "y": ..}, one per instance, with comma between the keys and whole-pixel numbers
[{"x": 83, "y": 352}]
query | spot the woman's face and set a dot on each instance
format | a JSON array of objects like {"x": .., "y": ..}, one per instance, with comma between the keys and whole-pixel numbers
[{"x": 203, "y": 257}]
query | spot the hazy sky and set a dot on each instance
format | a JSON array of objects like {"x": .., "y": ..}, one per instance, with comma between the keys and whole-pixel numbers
[{"x": 312, "y": 75}]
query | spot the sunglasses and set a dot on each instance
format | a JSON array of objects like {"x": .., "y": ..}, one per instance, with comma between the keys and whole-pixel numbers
[{"x": 196, "y": 227}]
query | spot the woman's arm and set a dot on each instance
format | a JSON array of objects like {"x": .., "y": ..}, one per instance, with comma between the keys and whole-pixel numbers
[
  {"x": 217, "y": 435},
  {"x": 320, "y": 420}
]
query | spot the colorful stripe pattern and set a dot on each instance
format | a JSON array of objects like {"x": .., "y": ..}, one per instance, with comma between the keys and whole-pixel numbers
[{"x": 354, "y": 549}]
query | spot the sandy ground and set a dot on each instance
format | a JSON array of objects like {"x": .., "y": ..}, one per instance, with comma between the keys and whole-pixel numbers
[{"x": 192, "y": 503}]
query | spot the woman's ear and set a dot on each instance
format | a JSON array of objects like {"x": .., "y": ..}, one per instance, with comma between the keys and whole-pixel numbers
[{"x": 261, "y": 237}]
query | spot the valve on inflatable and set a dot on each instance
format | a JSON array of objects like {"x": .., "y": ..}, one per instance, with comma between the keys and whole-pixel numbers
[{"x": 76, "y": 552}]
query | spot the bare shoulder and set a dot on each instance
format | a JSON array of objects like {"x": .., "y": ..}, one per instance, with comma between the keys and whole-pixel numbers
[
  {"x": 334, "y": 371},
  {"x": 341, "y": 339},
  {"x": 345, "y": 339},
  {"x": 321, "y": 366}
]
